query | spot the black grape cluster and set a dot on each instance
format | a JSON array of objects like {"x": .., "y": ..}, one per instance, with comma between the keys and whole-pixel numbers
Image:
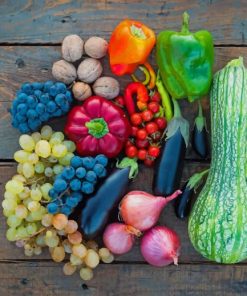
[
  {"x": 75, "y": 181},
  {"x": 38, "y": 102}
]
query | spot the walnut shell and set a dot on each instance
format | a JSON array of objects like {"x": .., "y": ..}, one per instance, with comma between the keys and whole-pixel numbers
[
  {"x": 89, "y": 70},
  {"x": 106, "y": 87},
  {"x": 81, "y": 91},
  {"x": 72, "y": 48},
  {"x": 64, "y": 71},
  {"x": 96, "y": 47}
]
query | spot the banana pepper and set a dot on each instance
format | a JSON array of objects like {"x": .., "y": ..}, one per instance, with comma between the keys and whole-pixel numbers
[{"x": 185, "y": 61}]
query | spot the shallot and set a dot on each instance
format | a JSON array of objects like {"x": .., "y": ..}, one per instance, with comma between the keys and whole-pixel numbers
[
  {"x": 119, "y": 238},
  {"x": 142, "y": 210},
  {"x": 160, "y": 246}
]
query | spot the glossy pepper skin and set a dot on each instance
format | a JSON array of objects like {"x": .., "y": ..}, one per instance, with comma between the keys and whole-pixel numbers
[
  {"x": 138, "y": 90},
  {"x": 98, "y": 126},
  {"x": 130, "y": 45},
  {"x": 185, "y": 61}
]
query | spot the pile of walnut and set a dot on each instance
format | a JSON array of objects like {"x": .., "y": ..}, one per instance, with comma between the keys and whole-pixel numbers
[{"x": 89, "y": 69}]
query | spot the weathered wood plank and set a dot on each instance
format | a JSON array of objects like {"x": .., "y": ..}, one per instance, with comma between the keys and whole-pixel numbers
[
  {"x": 23, "y": 278},
  {"x": 8, "y": 251},
  {"x": 52, "y": 20},
  {"x": 27, "y": 63}
]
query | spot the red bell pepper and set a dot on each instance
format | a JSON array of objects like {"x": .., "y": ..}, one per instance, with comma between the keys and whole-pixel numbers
[
  {"x": 135, "y": 89},
  {"x": 98, "y": 126}
]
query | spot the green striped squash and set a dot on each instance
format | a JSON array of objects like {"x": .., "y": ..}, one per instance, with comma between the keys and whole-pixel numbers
[{"x": 218, "y": 221}]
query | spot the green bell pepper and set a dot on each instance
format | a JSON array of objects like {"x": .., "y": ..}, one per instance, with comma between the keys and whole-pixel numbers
[{"x": 185, "y": 61}]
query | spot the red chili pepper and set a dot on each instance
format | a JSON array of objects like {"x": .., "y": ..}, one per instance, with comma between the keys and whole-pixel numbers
[
  {"x": 138, "y": 89},
  {"x": 98, "y": 126}
]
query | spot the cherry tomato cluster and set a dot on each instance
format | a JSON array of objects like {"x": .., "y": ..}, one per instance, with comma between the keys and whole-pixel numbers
[{"x": 147, "y": 130}]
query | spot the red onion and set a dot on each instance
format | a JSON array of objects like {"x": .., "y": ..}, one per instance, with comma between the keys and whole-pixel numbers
[
  {"x": 119, "y": 238},
  {"x": 142, "y": 210},
  {"x": 160, "y": 246}
]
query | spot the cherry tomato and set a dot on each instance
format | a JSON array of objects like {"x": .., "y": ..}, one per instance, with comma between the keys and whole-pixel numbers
[
  {"x": 142, "y": 154},
  {"x": 161, "y": 121},
  {"x": 141, "y": 105},
  {"x": 142, "y": 143},
  {"x": 119, "y": 101},
  {"x": 149, "y": 162},
  {"x": 154, "y": 151},
  {"x": 156, "y": 136},
  {"x": 136, "y": 119},
  {"x": 141, "y": 134},
  {"x": 151, "y": 127},
  {"x": 147, "y": 115},
  {"x": 154, "y": 107},
  {"x": 156, "y": 97},
  {"x": 128, "y": 143},
  {"x": 131, "y": 151},
  {"x": 134, "y": 130}
]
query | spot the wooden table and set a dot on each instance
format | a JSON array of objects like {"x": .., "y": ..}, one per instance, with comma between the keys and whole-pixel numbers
[{"x": 30, "y": 37}]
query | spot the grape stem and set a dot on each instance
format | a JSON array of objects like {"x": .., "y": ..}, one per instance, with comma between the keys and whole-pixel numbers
[{"x": 33, "y": 235}]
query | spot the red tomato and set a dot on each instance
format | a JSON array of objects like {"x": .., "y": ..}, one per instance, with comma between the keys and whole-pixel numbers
[
  {"x": 154, "y": 151},
  {"x": 154, "y": 107},
  {"x": 142, "y": 143},
  {"x": 156, "y": 97},
  {"x": 142, "y": 154},
  {"x": 128, "y": 143},
  {"x": 147, "y": 115},
  {"x": 131, "y": 151},
  {"x": 148, "y": 162},
  {"x": 134, "y": 130},
  {"x": 141, "y": 134},
  {"x": 136, "y": 119},
  {"x": 151, "y": 128},
  {"x": 161, "y": 121}
]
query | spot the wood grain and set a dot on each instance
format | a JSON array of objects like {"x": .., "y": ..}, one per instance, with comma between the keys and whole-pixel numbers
[
  {"x": 30, "y": 63},
  {"x": 47, "y": 279},
  {"x": 29, "y": 21},
  {"x": 8, "y": 251}
]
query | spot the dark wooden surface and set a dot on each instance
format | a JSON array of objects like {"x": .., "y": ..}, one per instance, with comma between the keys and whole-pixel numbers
[{"x": 30, "y": 38}]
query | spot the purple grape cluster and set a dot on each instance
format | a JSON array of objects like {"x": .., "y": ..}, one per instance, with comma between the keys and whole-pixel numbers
[
  {"x": 37, "y": 102},
  {"x": 76, "y": 180}
]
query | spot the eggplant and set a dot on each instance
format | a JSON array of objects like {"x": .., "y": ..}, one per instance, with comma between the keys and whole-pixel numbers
[
  {"x": 169, "y": 165},
  {"x": 184, "y": 200},
  {"x": 199, "y": 135},
  {"x": 97, "y": 211}
]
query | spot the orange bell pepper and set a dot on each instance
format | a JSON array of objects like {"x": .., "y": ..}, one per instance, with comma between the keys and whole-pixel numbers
[{"x": 130, "y": 45}]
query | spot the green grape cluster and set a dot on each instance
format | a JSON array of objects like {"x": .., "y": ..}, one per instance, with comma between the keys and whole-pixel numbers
[
  {"x": 63, "y": 239},
  {"x": 42, "y": 157}
]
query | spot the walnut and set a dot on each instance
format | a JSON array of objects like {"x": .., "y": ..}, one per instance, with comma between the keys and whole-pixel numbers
[
  {"x": 64, "y": 71},
  {"x": 72, "y": 48},
  {"x": 106, "y": 87},
  {"x": 81, "y": 91},
  {"x": 96, "y": 47},
  {"x": 89, "y": 70}
]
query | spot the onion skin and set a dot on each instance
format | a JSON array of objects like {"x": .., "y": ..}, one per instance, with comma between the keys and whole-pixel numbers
[
  {"x": 118, "y": 238},
  {"x": 142, "y": 210},
  {"x": 160, "y": 246}
]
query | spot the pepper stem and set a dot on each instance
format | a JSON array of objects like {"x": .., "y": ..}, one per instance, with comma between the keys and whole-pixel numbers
[
  {"x": 137, "y": 32},
  {"x": 97, "y": 127},
  {"x": 177, "y": 110},
  {"x": 185, "y": 24}
]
